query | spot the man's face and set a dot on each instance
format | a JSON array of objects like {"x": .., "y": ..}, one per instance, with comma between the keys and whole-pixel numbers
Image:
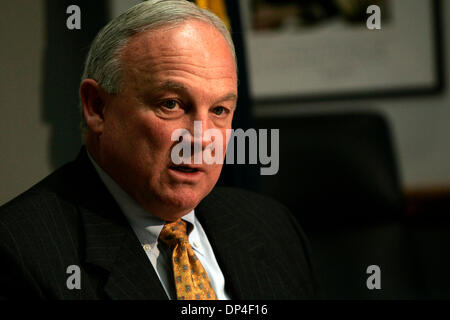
[{"x": 172, "y": 77}]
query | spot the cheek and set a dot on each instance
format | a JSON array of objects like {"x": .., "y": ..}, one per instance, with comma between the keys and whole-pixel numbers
[
  {"x": 211, "y": 179},
  {"x": 152, "y": 131},
  {"x": 155, "y": 143}
]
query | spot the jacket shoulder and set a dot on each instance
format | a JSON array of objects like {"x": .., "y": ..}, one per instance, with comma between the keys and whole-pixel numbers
[
  {"x": 39, "y": 229},
  {"x": 253, "y": 204},
  {"x": 42, "y": 219},
  {"x": 272, "y": 223},
  {"x": 43, "y": 199},
  {"x": 267, "y": 216}
]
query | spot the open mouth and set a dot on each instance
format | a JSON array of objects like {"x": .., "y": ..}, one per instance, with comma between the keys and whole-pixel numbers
[{"x": 184, "y": 169}]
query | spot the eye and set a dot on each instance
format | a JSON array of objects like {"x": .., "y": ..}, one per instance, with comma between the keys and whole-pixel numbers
[
  {"x": 170, "y": 104},
  {"x": 220, "y": 110}
]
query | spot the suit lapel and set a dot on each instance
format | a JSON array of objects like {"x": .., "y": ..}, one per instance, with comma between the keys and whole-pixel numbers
[
  {"x": 110, "y": 242},
  {"x": 116, "y": 250},
  {"x": 240, "y": 251}
]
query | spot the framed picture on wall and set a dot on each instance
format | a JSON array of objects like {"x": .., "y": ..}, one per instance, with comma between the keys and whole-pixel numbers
[{"x": 323, "y": 49}]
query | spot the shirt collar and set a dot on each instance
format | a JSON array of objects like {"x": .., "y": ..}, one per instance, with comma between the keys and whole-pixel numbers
[{"x": 146, "y": 225}]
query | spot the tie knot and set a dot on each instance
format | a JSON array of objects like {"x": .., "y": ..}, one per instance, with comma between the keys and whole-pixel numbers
[{"x": 174, "y": 232}]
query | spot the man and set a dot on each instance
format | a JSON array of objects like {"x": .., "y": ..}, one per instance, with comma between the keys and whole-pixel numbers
[{"x": 123, "y": 221}]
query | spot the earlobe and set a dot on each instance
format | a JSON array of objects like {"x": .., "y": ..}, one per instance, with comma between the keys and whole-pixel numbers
[{"x": 93, "y": 102}]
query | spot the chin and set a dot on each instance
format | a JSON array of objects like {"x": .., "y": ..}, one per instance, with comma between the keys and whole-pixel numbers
[{"x": 180, "y": 202}]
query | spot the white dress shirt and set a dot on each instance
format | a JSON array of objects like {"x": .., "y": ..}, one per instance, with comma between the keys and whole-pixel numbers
[{"x": 147, "y": 228}]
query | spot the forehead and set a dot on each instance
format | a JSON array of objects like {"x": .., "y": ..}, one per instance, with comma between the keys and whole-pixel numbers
[{"x": 193, "y": 44}]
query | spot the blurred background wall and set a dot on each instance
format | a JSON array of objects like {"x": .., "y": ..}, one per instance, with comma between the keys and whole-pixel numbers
[
  {"x": 39, "y": 88},
  {"x": 24, "y": 137}
]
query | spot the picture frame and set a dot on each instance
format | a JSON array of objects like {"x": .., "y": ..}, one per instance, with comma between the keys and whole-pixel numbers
[{"x": 335, "y": 61}]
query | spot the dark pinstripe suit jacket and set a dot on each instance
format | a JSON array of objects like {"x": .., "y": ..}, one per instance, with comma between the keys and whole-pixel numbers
[{"x": 69, "y": 218}]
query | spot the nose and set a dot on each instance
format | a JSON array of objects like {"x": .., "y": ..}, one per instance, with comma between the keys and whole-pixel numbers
[{"x": 200, "y": 124}]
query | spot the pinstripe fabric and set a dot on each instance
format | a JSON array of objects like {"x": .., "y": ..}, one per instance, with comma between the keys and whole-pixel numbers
[
  {"x": 70, "y": 218},
  {"x": 270, "y": 260}
]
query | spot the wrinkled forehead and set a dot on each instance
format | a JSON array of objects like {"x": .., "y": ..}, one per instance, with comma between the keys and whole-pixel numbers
[{"x": 195, "y": 42}]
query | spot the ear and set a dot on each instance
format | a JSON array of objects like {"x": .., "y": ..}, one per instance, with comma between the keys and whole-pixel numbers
[{"x": 93, "y": 100}]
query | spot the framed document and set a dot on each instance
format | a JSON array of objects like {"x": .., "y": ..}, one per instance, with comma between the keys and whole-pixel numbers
[{"x": 321, "y": 50}]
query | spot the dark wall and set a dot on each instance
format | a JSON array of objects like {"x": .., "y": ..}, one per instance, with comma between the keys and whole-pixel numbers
[{"x": 62, "y": 67}]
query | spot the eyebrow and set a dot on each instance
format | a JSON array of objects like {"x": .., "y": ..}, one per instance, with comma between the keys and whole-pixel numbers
[
  {"x": 172, "y": 85},
  {"x": 229, "y": 96}
]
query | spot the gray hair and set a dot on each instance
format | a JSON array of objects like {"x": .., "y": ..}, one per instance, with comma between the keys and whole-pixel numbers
[{"x": 103, "y": 62}]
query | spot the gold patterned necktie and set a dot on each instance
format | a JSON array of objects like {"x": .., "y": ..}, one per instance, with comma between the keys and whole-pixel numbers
[{"x": 191, "y": 279}]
